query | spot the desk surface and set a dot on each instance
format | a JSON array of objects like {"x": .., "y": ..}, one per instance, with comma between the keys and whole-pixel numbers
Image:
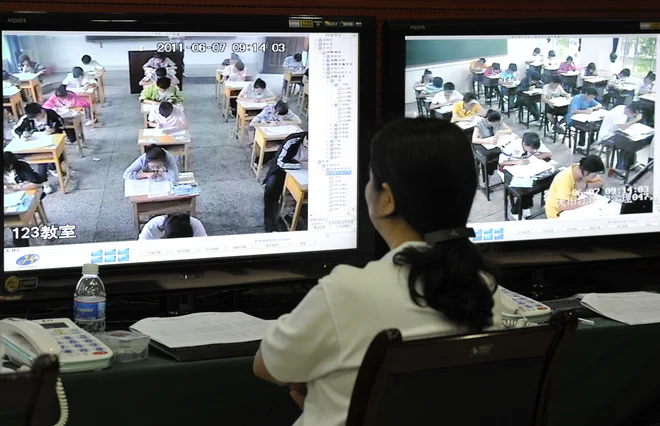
[
  {"x": 175, "y": 138},
  {"x": 610, "y": 372}
]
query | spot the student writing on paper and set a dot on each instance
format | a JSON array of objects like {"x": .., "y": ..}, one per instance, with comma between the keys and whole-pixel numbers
[
  {"x": 584, "y": 103},
  {"x": 79, "y": 79},
  {"x": 278, "y": 114},
  {"x": 612, "y": 94},
  {"x": 159, "y": 60},
  {"x": 62, "y": 99},
  {"x": 467, "y": 109},
  {"x": 433, "y": 281},
  {"x": 435, "y": 86},
  {"x": 572, "y": 182},
  {"x": 488, "y": 129},
  {"x": 425, "y": 79},
  {"x": 292, "y": 155},
  {"x": 509, "y": 75},
  {"x": 494, "y": 69},
  {"x": 236, "y": 70},
  {"x": 27, "y": 65},
  {"x": 648, "y": 85},
  {"x": 151, "y": 76},
  {"x": 477, "y": 68},
  {"x": 567, "y": 65},
  {"x": 162, "y": 91},
  {"x": 256, "y": 92},
  {"x": 168, "y": 118},
  {"x": 176, "y": 225},
  {"x": 39, "y": 119},
  {"x": 448, "y": 96},
  {"x": 553, "y": 90},
  {"x": 618, "y": 118},
  {"x": 91, "y": 66},
  {"x": 529, "y": 83},
  {"x": 519, "y": 153},
  {"x": 156, "y": 163}
]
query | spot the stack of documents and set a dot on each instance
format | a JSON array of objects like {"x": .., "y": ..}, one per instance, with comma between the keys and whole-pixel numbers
[
  {"x": 632, "y": 308},
  {"x": 638, "y": 131}
]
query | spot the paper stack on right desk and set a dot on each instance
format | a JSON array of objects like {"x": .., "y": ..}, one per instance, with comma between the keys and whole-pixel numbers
[
  {"x": 633, "y": 308},
  {"x": 639, "y": 131}
]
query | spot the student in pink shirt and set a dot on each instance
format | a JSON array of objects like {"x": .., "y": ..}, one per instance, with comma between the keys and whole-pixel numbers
[
  {"x": 569, "y": 65},
  {"x": 64, "y": 99},
  {"x": 494, "y": 69}
]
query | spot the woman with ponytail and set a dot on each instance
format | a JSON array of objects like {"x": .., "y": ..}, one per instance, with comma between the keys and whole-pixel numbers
[{"x": 432, "y": 282}]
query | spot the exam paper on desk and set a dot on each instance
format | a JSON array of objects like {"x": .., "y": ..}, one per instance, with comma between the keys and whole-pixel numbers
[
  {"x": 14, "y": 198},
  {"x": 10, "y": 91},
  {"x": 594, "y": 116},
  {"x": 152, "y": 188},
  {"x": 559, "y": 102},
  {"x": 502, "y": 140},
  {"x": 153, "y": 132},
  {"x": 36, "y": 141},
  {"x": 534, "y": 168},
  {"x": 25, "y": 76},
  {"x": 280, "y": 130},
  {"x": 632, "y": 308},
  {"x": 600, "y": 207},
  {"x": 639, "y": 131}
]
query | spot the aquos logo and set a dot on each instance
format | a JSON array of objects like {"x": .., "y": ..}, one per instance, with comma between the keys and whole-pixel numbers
[
  {"x": 28, "y": 259},
  {"x": 17, "y": 20}
]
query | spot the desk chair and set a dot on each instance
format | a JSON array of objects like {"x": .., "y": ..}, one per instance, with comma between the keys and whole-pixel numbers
[
  {"x": 28, "y": 397},
  {"x": 498, "y": 378}
]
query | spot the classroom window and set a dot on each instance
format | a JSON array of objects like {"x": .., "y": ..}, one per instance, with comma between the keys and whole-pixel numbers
[
  {"x": 564, "y": 47},
  {"x": 638, "y": 54}
]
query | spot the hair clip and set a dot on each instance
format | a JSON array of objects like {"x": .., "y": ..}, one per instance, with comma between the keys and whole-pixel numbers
[{"x": 448, "y": 235}]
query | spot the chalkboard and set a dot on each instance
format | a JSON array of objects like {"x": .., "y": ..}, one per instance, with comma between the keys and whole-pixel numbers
[{"x": 426, "y": 52}]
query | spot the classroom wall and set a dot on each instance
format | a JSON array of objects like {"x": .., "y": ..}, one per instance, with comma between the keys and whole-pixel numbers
[{"x": 457, "y": 72}]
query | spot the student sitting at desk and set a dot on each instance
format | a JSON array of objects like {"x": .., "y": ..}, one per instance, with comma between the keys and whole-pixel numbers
[
  {"x": 584, "y": 103},
  {"x": 159, "y": 60},
  {"x": 448, "y": 96},
  {"x": 467, "y": 109},
  {"x": 515, "y": 153},
  {"x": 435, "y": 86},
  {"x": 488, "y": 129},
  {"x": 151, "y": 77},
  {"x": 168, "y": 118},
  {"x": 536, "y": 60},
  {"x": 235, "y": 71},
  {"x": 277, "y": 114},
  {"x": 590, "y": 70},
  {"x": 612, "y": 95},
  {"x": 162, "y": 91},
  {"x": 433, "y": 281},
  {"x": 477, "y": 68},
  {"x": 528, "y": 83},
  {"x": 620, "y": 118},
  {"x": 427, "y": 77},
  {"x": 551, "y": 62},
  {"x": 291, "y": 155},
  {"x": 509, "y": 74},
  {"x": 156, "y": 163},
  {"x": 27, "y": 65},
  {"x": 648, "y": 85},
  {"x": 176, "y": 225},
  {"x": 293, "y": 64},
  {"x": 91, "y": 66},
  {"x": 256, "y": 92},
  {"x": 494, "y": 69},
  {"x": 572, "y": 182},
  {"x": 622, "y": 76},
  {"x": 78, "y": 79},
  {"x": 551, "y": 91},
  {"x": 567, "y": 66},
  {"x": 63, "y": 99},
  {"x": 9, "y": 80}
]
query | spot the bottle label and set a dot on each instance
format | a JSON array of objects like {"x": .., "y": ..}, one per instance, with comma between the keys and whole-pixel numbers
[{"x": 88, "y": 310}]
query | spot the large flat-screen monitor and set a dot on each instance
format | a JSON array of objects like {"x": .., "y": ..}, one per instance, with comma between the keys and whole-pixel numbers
[
  {"x": 560, "y": 115},
  {"x": 155, "y": 139}
]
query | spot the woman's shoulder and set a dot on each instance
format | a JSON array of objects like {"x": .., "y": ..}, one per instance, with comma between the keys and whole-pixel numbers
[{"x": 349, "y": 276}]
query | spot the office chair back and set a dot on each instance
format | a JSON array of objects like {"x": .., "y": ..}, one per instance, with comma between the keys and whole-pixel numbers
[
  {"x": 28, "y": 398},
  {"x": 495, "y": 378}
]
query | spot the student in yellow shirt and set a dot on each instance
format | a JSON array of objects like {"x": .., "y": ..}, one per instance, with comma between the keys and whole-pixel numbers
[
  {"x": 467, "y": 109},
  {"x": 570, "y": 183},
  {"x": 477, "y": 69}
]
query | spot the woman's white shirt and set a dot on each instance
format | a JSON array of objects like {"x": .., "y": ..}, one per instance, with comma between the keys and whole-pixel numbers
[{"x": 323, "y": 340}]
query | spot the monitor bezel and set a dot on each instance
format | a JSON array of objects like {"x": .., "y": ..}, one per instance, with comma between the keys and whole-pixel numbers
[
  {"x": 394, "y": 33},
  {"x": 240, "y": 23}
]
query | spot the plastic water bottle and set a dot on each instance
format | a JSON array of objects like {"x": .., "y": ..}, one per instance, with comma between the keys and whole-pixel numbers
[{"x": 89, "y": 300}]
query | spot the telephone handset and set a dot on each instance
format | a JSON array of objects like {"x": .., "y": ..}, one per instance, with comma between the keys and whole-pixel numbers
[
  {"x": 515, "y": 305},
  {"x": 25, "y": 340}
]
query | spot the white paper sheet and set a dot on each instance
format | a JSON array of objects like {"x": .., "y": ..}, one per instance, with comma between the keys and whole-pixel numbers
[
  {"x": 639, "y": 131},
  {"x": 533, "y": 92},
  {"x": 80, "y": 90},
  {"x": 280, "y": 130},
  {"x": 10, "y": 91},
  {"x": 179, "y": 133},
  {"x": 208, "y": 328},
  {"x": 150, "y": 187},
  {"x": 649, "y": 97},
  {"x": 25, "y": 76},
  {"x": 466, "y": 124},
  {"x": 522, "y": 182},
  {"x": 501, "y": 141},
  {"x": 633, "y": 308},
  {"x": 600, "y": 207},
  {"x": 152, "y": 132},
  {"x": 14, "y": 198},
  {"x": 559, "y": 102},
  {"x": 532, "y": 169},
  {"x": 301, "y": 176},
  {"x": 255, "y": 105},
  {"x": 570, "y": 73},
  {"x": 36, "y": 141},
  {"x": 594, "y": 116}
]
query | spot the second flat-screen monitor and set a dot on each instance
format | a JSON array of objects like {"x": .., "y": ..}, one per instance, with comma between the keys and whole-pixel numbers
[{"x": 561, "y": 123}]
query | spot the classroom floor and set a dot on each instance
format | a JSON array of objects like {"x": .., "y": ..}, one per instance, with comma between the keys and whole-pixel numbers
[
  {"x": 231, "y": 199},
  {"x": 493, "y": 210}
]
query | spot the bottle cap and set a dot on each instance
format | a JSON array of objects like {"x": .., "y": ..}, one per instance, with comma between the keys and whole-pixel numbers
[{"x": 90, "y": 268}]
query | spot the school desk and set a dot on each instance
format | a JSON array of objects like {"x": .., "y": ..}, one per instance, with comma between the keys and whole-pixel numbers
[
  {"x": 529, "y": 97},
  {"x": 143, "y": 205},
  {"x": 90, "y": 96},
  {"x": 487, "y": 160},
  {"x": 600, "y": 207},
  {"x": 620, "y": 91},
  {"x": 548, "y": 73},
  {"x": 542, "y": 183},
  {"x": 509, "y": 89},
  {"x": 569, "y": 80},
  {"x": 73, "y": 119},
  {"x": 491, "y": 84},
  {"x": 33, "y": 216},
  {"x": 100, "y": 86},
  {"x": 588, "y": 124},
  {"x": 15, "y": 104},
  {"x": 218, "y": 84},
  {"x": 292, "y": 78},
  {"x": 264, "y": 143},
  {"x": 625, "y": 145},
  {"x": 296, "y": 184},
  {"x": 231, "y": 91},
  {"x": 53, "y": 154},
  {"x": 176, "y": 144},
  {"x": 31, "y": 85},
  {"x": 556, "y": 107},
  {"x": 245, "y": 111},
  {"x": 648, "y": 108}
]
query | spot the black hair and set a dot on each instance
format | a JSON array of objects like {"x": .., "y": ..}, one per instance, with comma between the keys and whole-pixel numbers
[
  {"x": 552, "y": 54},
  {"x": 61, "y": 91},
  {"x": 496, "y": 65},
  {"x": 240, "y": 65},
  {"x": 426, "y": 72},
  {"x": 259, "y": 84},
  {"x": 281, "y": 108},
  {"x": 86, "y": 59},
  {"x": 297, "y": 57},
  {"x": 469, "y": 96},
  {"x": 534, "y": 76},
  {"x": 532, "y": 140},
  {"x": 24, "y": 58},
  {"x": 5, "y": 75},
  {"x": 537, "y": 50},
  {"x": 10, "y": 161},
  {"x": 164, "y": 83},
  {"x": 78, "y": 72},
  {"x": 437, "y": 81},
  {"x": 625, "y": 72},
  {"x": 445, "y": 276},
  {"x": 483, "y": 60},
  {"x": 592, "y": 164},
  {"x": 449, "y": 86},
  {"x": 591, "y": 68},
  {"x": 165, "y": 109},
  {"x": 33, "y": 109},
  {"x": 177, "y": 225},
  {"x": 635, "y": 107},
  {"x": 155, "y": 153},
  {"x": 569, "y": 58},
  {"x": 556, "y": 79},
  {"x": 493, "y": 115},
  {"x": 161, "y": 72},
  {"x": 650, "y": 76},
  {"x": 159, "y": 55},
  {"x": 513, "y": 67},
  {"x": 234, "y": 57},
  {"x": 591, "y": 91}
]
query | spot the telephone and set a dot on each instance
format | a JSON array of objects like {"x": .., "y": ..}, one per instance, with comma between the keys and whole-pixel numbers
[
  {"x": 76, "y": 349},
  {"x": 516, "y": 306}
]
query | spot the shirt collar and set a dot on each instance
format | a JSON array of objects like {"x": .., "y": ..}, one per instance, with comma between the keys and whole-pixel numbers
[{"x": 390, "y": 255}]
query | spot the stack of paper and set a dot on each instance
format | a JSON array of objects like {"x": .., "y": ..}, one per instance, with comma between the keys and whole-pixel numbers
[
  {"x": 186, "y": 178},
  {"x": 522, "y": 182},
  {"x": 632, "y": 308},
  {"x": 14, "y": 198},
  {"x": 209, "y": 328},
  {"x": 280, "y": 130},
  {"x": 560, "y": 102},
  {"x": 36, "y": 141},
  {"x": 535, "y": 167},
  {"x": 639, "y": 131},
  {"x": 502, "y": 141}
]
